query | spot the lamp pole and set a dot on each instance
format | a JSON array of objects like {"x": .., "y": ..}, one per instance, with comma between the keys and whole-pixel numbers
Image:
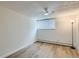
[{"x": 72, "y": 35}]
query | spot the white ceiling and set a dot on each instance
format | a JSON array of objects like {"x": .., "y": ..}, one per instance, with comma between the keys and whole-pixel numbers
[{"x": 34, "y": 9}]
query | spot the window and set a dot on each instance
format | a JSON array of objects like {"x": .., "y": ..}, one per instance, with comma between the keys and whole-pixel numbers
[{"x": 49, "y": 23}]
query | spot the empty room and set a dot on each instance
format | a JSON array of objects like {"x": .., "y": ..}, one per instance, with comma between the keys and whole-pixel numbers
[{"x": 39, "y": 29}]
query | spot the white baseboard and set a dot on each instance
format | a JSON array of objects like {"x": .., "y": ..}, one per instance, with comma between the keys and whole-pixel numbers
[
  {"x": 53, "y": 42},
  {"x": 12, "y": 52}
]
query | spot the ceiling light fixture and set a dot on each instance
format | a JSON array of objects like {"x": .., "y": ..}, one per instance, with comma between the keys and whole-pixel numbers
[
  {"x": 46, "y": 14},
  {"x": 46, "y": 11}
]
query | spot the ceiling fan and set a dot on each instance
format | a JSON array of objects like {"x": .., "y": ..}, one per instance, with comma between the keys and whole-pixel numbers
[{"x": 47, "y": 12}]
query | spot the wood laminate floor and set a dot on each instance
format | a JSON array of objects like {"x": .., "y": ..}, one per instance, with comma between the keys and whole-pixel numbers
[{"x": 45, "y": 50}]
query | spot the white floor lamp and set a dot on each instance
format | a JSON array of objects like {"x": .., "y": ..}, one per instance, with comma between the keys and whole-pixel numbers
[{"x": 72, "y": 22}]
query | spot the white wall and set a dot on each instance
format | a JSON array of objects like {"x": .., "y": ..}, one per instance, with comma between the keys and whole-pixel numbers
[
  {"x": 16, "y": 31},
  {"x": 63, "y": 32},
  {"x": 73, "y": 15}
]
